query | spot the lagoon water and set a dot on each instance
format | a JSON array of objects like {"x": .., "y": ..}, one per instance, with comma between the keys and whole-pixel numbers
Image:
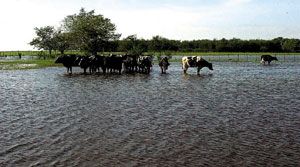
[{"x": 240, "y": 114}]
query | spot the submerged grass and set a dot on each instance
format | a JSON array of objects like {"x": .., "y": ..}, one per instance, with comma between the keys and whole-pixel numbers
[{"x": 27, "y": 64}]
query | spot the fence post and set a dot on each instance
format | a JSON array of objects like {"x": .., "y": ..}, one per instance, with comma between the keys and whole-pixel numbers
[{"x": 294, "y": 57}]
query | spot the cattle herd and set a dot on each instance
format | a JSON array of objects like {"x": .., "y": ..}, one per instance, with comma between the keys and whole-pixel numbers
[
  {"x": 134, "y": 63},
  {"x": 112, "y": 63}
]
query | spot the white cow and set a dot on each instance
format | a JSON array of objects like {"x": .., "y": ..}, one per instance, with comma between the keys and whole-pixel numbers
[{"x": 195, "y": 61}]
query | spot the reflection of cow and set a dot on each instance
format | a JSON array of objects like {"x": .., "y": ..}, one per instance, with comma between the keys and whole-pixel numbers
[
  {"x": 195, "y": 61},
  {"x": 163, "y": 64},
  {"x": 267, "y": 58},
  {"x": 68, "y": 61}
]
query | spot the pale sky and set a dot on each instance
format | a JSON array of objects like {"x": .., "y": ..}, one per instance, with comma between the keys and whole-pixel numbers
[{"x": 173, "y": 19}]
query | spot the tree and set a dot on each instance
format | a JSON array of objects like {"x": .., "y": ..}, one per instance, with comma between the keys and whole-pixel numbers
[
  {"x": 61, "y": 41},
  {"x": 291, "y": 45},
  {"x": 45, "y": 38},
  {"x": 156, "y": 44},
  {"x": 90, "y": 32}
]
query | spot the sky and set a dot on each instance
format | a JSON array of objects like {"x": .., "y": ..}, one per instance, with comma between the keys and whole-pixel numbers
[{"x": 172, "y": 19}]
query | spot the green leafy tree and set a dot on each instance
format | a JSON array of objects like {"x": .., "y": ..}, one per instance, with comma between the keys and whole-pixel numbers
[
  {"x": 62, "y": 41},
  {"x": 156, "y": 44},
  {"x": 291, "y": 45},
  {"x": 90, "y": 32},
  {"x": 45, "y": 38}
]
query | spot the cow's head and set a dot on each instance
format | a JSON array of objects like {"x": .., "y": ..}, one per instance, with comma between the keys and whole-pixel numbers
[
  {"x": 210, "y": 66},
  {"x": 275, "y": 58},
  {"x": 59, "y": 60}
]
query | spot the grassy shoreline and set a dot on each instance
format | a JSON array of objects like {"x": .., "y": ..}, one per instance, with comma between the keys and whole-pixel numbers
[{"x": 27, "y": 64}]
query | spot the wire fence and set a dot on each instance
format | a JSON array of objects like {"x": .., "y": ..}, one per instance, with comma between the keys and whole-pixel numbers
[
  {"x": 245, "y": 58},
  {"x": 238, "y": 58}
]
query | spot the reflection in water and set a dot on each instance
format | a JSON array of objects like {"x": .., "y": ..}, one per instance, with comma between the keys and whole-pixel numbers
[{"x": 240, "y": 114}]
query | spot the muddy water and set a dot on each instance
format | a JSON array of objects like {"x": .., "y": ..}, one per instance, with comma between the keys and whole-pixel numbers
[{"x": 240, "y": 114}]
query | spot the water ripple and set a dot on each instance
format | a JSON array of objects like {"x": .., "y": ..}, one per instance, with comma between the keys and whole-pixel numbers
[{"x": 240, "y": 114}]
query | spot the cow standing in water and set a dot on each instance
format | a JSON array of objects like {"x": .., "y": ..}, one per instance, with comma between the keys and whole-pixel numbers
[
  {"x": 68, "y": 61},
  {"x": 267, "y": 58},
  {"x": 145, "y": 63},
  {"x": 195, "y": 61},
  {"x": 163, "y": 64}
]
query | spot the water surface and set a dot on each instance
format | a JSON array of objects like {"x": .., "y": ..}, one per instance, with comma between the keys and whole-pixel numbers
[{"x": 240, "y": 114}]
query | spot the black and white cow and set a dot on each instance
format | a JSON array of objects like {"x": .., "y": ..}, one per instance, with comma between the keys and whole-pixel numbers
[
  {"x": 163, "y": 64},
  {"x": 98, "y": 62},
  {"x": 145, "y": 63},
  {"x": 84, "y": 62},
  {"x": 195, "y": 61},
  {"x": 267, "y": 58},
  {"x": 130, "y": 63}
]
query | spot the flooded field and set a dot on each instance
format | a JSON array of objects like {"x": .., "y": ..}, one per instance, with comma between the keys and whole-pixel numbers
[{"x": 240, "y": 114}]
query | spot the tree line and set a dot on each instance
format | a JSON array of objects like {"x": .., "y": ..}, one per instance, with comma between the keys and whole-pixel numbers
[{"x": 93, "y": 33}]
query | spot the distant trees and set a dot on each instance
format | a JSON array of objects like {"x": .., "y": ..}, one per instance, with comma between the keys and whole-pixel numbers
[
  {"x": 93, "y": 33},
  {"x": 291, "y": 45}
]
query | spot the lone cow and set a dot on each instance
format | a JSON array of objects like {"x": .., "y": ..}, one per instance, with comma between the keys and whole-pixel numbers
[
  {"x": 163, "y": 64},
  {"x": 267, "y": 58},
  {"x": 195, "y": 61}
]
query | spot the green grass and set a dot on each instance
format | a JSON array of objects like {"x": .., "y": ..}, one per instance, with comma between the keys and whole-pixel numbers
[{"x": 27, "y": 64}]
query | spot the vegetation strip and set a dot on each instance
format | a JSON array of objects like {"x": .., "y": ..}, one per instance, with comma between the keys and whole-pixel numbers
[{"x": 27, "y": 64}]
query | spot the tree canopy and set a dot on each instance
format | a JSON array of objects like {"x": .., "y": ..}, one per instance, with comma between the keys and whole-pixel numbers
[
  {"x": 44, "y": 39},
  {"x": 90, "y": 32}
]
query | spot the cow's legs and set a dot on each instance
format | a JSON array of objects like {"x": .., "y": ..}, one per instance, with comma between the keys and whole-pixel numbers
[
  {"x": 69, "y": 70},
  {"x": 198, "y": 70},
  {"x": 185, "y": 68}
]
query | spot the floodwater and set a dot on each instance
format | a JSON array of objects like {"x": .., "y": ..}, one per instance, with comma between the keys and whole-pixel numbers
[{"x": 239, "y": 114}]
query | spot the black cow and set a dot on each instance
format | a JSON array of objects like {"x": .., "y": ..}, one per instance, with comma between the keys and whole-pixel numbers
[
  {"x": 114, "y": 62},
  {"x": 195, "y": 61},
  {"x": 130, "y": 63},
  {"x": 145, "y": 64},
  {"x": 163, "y": 64},
  {"x": 96, "y": 62},
  {"x": 68, "y": 61},
  {"x": 267, "y": 58}
]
